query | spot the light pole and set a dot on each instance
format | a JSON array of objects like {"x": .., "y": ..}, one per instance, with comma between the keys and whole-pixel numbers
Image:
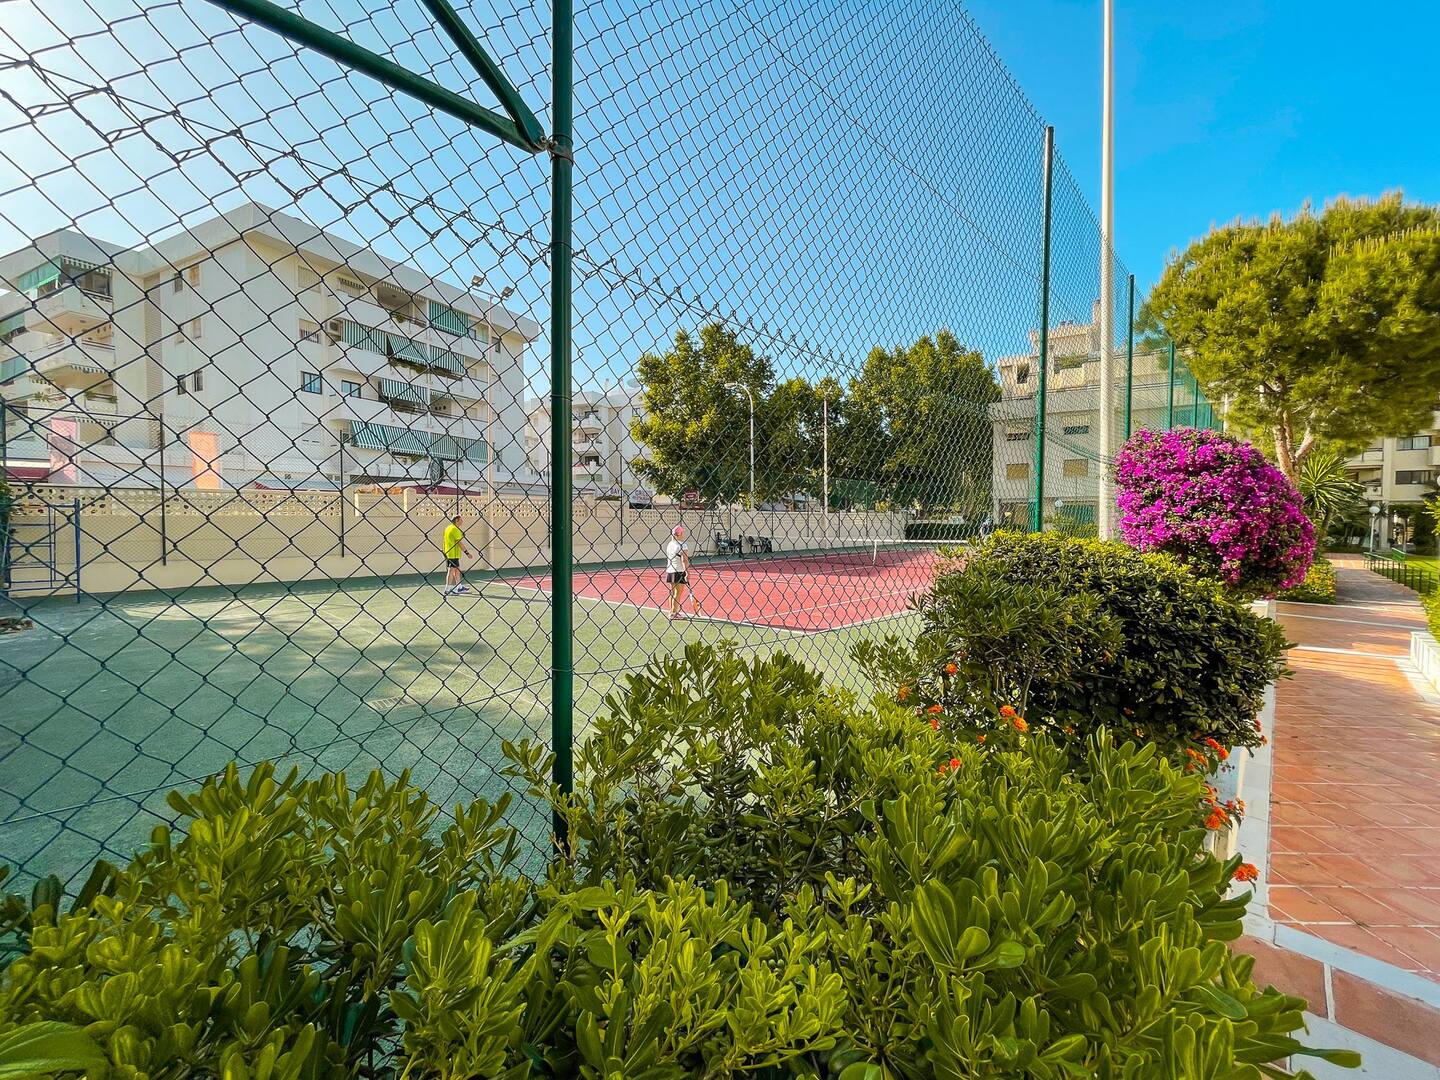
[
  {"x": 825, "y": 455},
  {"x": 1107, "y": 285},
  {"x": 750, "y": 398},
  {"x": 1374, "y": 526}
]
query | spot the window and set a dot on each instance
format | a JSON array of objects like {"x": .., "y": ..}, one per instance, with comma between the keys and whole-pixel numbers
[
  {"x": 1076, "y": 429},
  {"x": 1075, "y": 466},
  {"x": 351, "y": 286},
  {"x": 1066, "y": 363},
  {"x": 1413, "y": 442},
  {"x": 180, "y": 385},
  {"x": 1017, "y": 470},
  {"x": 192, "y": 274},
  {"x": 309, "y": 331},
  {"x": 349, "y": 388},
  {"x": 197, "y": 381},
  {"x": 481, "y": 333},
  {"x": 177, "y": 282},
  {"x": 1017, "y": 436},
  {"x": 309, "y": 382},
  {"x": 195, "y": 328},
  {"x": 1414, "y": 476},
  {"x": 1022, "y": 374}
]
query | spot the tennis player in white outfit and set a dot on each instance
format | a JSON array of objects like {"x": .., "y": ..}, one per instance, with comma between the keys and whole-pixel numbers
[{"x": 677, "y": 569}]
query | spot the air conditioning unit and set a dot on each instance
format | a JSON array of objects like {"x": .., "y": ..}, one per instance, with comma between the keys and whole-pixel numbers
[{"x": 335, "y": 328}]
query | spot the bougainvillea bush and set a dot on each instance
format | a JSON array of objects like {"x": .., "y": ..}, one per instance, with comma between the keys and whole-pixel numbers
[{"x": 1216, "y": 504}]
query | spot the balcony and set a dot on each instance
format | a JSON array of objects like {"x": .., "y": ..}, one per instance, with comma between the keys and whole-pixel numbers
[
  {"x": 1373, "y": 458},
  {"x": 80, "y": 365},
  {"x": 70, "y": 311}
]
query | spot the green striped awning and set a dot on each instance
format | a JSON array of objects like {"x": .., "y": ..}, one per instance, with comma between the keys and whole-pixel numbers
[
  {"x": 11, "y": 323},
  {"x": 454, "y": 448},
  {"x": 399, "y": 390},
  {"x": 383, "y": 437},
  {"x": 404, "y": 348},
  {"x": 37, "y": 278},
  {"x": 448, "y": 361},
  {"x": 81, "y": 266},
  {"x": 448, "y": 319}
]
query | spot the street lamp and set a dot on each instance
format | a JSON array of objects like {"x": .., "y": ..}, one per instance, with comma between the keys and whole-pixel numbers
[
  {"x": 751, "y": 398},
  {"x": 1374, "y": 526}
]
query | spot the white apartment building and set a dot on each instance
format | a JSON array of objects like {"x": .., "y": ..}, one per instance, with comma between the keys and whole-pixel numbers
[
  {"x": 253, "y": 349},
  {"x": 1398, "y": 471},
  {"x": 601, "y": 441},
  {"x": 1072, "y": 420}
]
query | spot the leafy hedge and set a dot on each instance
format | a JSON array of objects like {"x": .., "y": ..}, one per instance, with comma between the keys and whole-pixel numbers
[
  {"x": 765, "y": 879},
  {"x": 1082, "y": 634},
  {"x": 1319, "y": 586}
]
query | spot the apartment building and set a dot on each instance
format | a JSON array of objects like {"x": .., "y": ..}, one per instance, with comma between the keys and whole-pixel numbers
[
  {"x": 1072, "y": 420},
  {"x": 1398, "y": 472},
  {"x": 253, "y": 349},
  {"x": 601, "y": 442}
]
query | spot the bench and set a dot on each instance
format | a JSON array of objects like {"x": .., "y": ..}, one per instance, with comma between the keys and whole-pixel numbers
[{"x": 726, "y": 545}]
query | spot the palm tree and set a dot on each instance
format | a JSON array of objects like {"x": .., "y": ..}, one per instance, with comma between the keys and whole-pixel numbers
[{"x": 1329, "y": 491}]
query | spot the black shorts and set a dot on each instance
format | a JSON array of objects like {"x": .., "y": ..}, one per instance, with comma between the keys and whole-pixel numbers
[
  {"x": 453, "y": 562},
  {"x": 676, "y": 577}
]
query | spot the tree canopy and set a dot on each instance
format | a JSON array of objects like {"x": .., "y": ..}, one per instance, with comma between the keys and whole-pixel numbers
[
  {"x": 1323, "y": 327},
  {"x": 911, "y": 427}
]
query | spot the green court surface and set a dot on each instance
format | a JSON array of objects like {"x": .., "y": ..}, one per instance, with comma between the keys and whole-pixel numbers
[{"x": 108, "y": 704}]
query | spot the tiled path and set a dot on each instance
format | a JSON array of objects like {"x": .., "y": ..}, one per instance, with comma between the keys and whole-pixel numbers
[{"x": 1355, "y": 801}]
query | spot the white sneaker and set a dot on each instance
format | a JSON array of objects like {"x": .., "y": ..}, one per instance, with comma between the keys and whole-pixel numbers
[{"x": 462, "y": 588}]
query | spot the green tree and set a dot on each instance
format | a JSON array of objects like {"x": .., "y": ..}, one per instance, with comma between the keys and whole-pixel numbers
[
  {"x": 695, "y": 430},
  {"x": 916, "y": 422},
  {"x": 1322, "y": 328}
]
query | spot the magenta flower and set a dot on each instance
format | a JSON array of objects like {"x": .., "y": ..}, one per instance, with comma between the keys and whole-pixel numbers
[{"x": 1215, "y": 503}]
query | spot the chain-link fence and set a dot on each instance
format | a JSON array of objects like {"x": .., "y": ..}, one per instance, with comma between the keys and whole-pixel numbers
[{"x": 285, "y": 451}]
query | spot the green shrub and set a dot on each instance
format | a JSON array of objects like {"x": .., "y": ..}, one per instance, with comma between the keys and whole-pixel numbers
[
  {"x": 762, "y": 879},
  {"x": 1147, "y": 647},
  {"x": 1319, "y": 586},
  {"x": 1432, "y": 611}
]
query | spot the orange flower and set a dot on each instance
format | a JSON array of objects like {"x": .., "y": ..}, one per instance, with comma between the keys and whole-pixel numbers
[
  {"x": 1257, "y": 728},
  {"x": 1069, "y": 730},
  {"x": 1019, "y": 722},
  {"x": 980, "y": 738},
  {"x": 951, "y": 669},
  {"x": 902, "y": 693},
  {"x": 943, "y": 767},
  {"x": 934, "y": 723},
  {"x": 954, "y": 763},
  {"x": 934, "y": 710},
  {"x": 1215, "y": 820},
  {"x": 1007, "y": 712},
  {"x": 1247, "y": 872}
]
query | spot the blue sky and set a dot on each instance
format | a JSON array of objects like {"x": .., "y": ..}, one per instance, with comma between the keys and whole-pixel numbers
[
  {"x": 1230, "y": 108},
  {"x": 825, "y": 175}
]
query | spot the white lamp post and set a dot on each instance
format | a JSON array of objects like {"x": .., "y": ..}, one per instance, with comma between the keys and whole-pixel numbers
[
  {"x": 751, "y": 398},
  {"x": 1374, "y": 526}
]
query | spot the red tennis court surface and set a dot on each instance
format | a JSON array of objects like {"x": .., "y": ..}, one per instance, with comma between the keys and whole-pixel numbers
[{"x": 802, "y": 592}]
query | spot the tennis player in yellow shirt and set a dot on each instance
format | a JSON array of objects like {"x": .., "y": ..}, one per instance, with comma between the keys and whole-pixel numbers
[{"x": 454, "y": 545}]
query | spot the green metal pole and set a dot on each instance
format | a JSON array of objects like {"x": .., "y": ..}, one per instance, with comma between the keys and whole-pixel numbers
[
  {"x": 494, "y": 78},
  {"x": 562, "y": 566},
  {"x": 344, "y": 51},
  {"x": 1195, "y": 402},
  {"x": 1129, "y": 356},
  {"x": 1170, "y": 401},
  {"x": 1047, "y": 186}
]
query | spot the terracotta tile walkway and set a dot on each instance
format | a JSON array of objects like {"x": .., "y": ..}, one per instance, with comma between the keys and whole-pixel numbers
[{"x": 1355, "y": 801}]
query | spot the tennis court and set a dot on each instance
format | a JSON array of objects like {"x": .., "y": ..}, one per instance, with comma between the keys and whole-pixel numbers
[
  {"x": 858, "y": 581},
  {"x": 110, "y": 704}
]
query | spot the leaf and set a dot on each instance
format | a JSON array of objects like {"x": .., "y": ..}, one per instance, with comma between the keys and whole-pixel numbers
[
  {"x": 45, "y": 1047},
  {"x": 862, "y": 1070}
]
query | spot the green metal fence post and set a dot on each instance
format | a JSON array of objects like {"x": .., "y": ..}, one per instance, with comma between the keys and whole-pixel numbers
[
  {"x": 1195, "y": 402},
  {"x": 1170, "y": 400},
  {"x": 1047, "y": 186},
  {"x": 1129, "y": 355},
  {"x": 164, "y": 534},
  {"x": 562, "y": 658}
]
